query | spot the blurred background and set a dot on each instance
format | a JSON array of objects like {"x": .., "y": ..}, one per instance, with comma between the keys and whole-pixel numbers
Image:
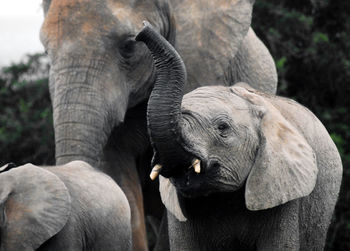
[
  {"x": 309, "y": 40},
  {"x": 20, "y": 21}
]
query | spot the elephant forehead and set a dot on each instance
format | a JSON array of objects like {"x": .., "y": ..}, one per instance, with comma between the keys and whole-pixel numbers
[
  {"x": 69, "y": 19},
  {"x": 214, "y": 100},
  {"x": 84, "y": 20},
  {"x": 127, "y": 12}
]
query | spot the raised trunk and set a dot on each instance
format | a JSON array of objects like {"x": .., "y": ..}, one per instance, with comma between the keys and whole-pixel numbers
[
  {"x": 82, "y": 118},
  {"x": 164, "y": 105}
]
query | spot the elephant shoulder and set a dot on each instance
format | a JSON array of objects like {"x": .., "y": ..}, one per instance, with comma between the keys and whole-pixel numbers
[{"x": 253, "y": 64}]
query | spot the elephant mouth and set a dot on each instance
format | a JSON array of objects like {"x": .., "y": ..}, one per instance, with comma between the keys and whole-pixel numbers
[{"x": 193, "y": 181}]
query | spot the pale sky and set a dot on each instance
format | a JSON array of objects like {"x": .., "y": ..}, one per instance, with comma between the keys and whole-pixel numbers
[{"x": 20, "y": 22}]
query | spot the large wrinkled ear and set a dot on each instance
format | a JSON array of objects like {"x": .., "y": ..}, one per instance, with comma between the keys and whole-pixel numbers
[
  {"x": 210, "y": 30},
  {"x": 170, "y": 198},
  {"x": 35, "y": 205},
  {"x": 285, "y": 166}
]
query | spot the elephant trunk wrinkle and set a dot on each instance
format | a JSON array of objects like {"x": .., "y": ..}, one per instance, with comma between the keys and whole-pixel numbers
[
  {"x": 68, "y": 157},
  {"x": 86, "y": 108},
  {"x": 164, "y": 106},
  {"x": 72, "y": 144},
  {"x": 81, "y": 129},
  {"x": 79, "y": 63},
  {"x": 86, "y": 143},
  {"x": 79, "y": 86}
]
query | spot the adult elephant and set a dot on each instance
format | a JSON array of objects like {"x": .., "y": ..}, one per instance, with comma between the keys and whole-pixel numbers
[{"x": 100, "y": 77}]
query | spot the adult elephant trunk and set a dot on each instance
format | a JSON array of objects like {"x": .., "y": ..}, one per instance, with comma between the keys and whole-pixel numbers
[
  {"x": 83, "y": 116},
  {"x": 164, "y": 105}
]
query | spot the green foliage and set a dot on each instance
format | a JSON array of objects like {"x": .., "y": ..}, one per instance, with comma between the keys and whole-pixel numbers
[
  {"x": 280, "y": 63},
  {"x": 319, "y": 37},
  {"x": 310, "y": 42},
  {"x": 26, "y": 133}
]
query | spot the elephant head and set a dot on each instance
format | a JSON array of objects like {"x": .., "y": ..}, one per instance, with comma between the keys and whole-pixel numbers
[
  {"x": 98, "y": 71},
  {"x": 236, "y": 134},
  {"x": 34, "y": 206}
]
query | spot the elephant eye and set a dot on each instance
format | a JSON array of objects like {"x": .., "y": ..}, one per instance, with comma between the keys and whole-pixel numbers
[
  {"x": 127, "y": 48},
  {"x": 223, "y": 128}
]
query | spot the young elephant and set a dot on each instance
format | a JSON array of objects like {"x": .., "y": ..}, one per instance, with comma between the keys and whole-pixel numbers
[
  {"x": 266, "y": 173},
  {"x": 49, "y": 208}
]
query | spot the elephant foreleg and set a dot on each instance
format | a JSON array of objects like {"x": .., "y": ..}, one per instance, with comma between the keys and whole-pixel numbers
[
  {"x": 123, "y": 171},
  {"x": 132, "y": 188},
  {"x": 281, "y": 231},
  {"x": 181, "y": 235}
]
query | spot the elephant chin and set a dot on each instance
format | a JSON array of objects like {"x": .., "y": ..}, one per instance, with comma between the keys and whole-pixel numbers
[
  {"x": 191, "y": 179},
  {"x": 191, "y": 187}
]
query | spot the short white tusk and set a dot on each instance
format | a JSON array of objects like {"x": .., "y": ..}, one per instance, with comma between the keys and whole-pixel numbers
[
  {"x": 197, "y": 165},
  {"x": 155, "y": 171}
]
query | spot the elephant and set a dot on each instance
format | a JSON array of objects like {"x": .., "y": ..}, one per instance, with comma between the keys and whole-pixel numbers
[
  {"x": 69, "y": 207},
  {"x": 100, "y": 78},
  {"x": 239, "y": 169}
]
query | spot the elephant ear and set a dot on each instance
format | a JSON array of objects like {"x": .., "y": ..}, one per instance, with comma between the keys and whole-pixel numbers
[
  {"x": 285, "y": 166},
  {"x": 170, "y": 198},
  {"x": 211, "y": 31},
  {"x": 35, "y": 205}
]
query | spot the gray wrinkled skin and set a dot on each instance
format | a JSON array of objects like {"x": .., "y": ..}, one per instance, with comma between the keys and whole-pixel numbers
[
  {"x": 100, "y": 78},
  {"x": 270, "y": 174},
  {"x": 70, "y": 207}
]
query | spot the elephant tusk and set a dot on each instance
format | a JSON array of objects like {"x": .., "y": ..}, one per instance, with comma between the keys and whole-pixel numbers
[
  {"x": 197, "y": 165},
  {"x": 155, "y": 171}
]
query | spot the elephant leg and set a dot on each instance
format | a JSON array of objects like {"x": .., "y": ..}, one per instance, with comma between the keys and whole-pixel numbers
[
  {"x": 163, "y": 236},
  {"x": 122, "y": 168},
  {"x": 124, "y": 161},
  {"x": 281, "y": 229},
  {"x": 131, "y": 186},
  {"x": 181, "y": 235}
]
